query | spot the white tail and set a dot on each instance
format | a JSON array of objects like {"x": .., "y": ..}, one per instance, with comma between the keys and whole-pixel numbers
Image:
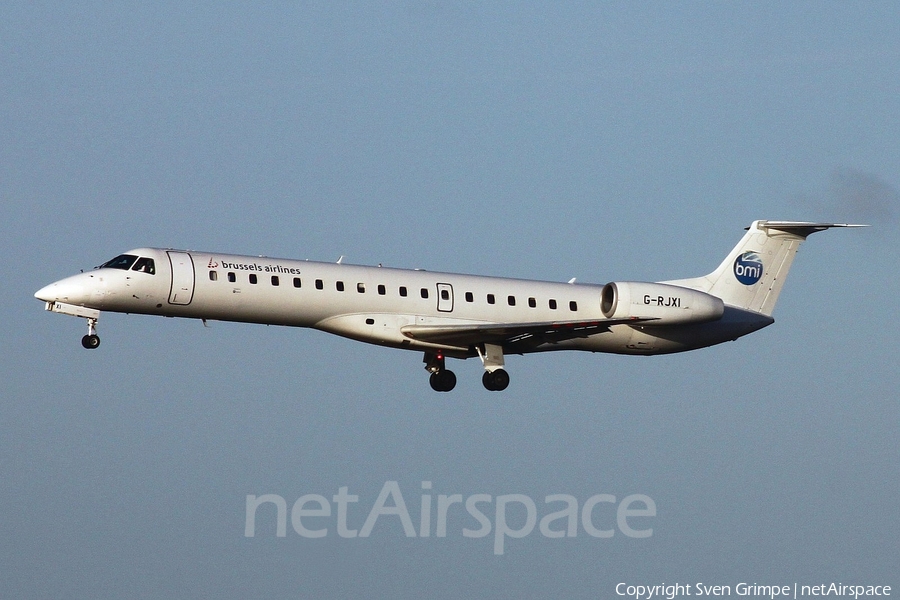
[{"x": 752, "y": 275}]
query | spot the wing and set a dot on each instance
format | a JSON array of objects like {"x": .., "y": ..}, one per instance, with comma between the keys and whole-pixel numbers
[{"x": 529, "y": 335}]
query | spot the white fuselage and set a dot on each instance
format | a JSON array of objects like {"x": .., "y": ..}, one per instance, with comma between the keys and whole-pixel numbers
[
  {"x": 370, "y": 304},
  {"x": 448, "y": 314}
]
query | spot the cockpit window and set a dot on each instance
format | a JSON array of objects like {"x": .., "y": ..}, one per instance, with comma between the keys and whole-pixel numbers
[
  {"x": 145, "y": 265},
  {"x": 123, "y": 261}
]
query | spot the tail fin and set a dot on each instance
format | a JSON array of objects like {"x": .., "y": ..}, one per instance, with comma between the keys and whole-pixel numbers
[{"x": 752, "y": 275}]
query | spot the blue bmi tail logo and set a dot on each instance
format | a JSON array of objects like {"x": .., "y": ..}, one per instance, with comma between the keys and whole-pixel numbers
[{"x": 748, "y": 268}]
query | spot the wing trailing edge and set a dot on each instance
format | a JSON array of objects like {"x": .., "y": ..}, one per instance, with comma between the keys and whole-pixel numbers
[{"x": 512, "y": 333}]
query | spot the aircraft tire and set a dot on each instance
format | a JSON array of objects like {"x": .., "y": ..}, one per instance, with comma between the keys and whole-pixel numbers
[
  {"x": 90, "y": 341},
  {"x": 495, "y": 381},
  {"x": 443, "y": 380}
]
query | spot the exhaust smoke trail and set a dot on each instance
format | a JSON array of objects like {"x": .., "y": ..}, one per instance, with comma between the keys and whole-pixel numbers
[{"x": 862, "y": 196}]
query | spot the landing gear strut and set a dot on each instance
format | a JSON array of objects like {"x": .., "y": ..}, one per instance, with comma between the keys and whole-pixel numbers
[
  {"x": 91, "y": 340},
  {"x": 442, "y": 379}
]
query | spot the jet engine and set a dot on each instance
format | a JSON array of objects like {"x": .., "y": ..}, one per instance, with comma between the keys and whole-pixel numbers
[{"x": 669, "y": 304}]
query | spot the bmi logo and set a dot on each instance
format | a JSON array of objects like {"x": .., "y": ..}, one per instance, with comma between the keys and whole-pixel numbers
[{"x": 748, "y": 268}]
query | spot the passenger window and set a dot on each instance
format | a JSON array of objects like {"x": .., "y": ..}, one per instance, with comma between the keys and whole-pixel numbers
[
  {"x": 382, "y": 290},
  {"x": 573, "y": 306},
  {"x": 296, "y": 282},
  {"x": 213, "y": 276},
  {"x": 445, "y": 295},
  {"x": 424, "y": 293},
  {"x": 470, "y": 297},
  {"x": 511, "y": 300},
  {"x": 231, "y": 278},
  {"x": 361, "y": 288},
  {"x": 552, "y": 304},
  {"x": 532, "y": 303},
  {"x": 319, "y": 284},
  {"x": 275, "y": 280},
  {"x": 490, "y": 298},
  {"x": 339, "y": 285},
  {"x": 145, "y": 265},
  {"x": 253, "y": 278},
  {"x": 403, "y": 291}
]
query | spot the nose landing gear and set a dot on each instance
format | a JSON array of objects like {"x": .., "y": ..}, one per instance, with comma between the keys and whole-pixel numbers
[{"x": 91, "y": 340}]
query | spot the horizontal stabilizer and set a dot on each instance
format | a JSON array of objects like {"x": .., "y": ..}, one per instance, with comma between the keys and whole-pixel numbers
[{"x": 801, "y": 228}]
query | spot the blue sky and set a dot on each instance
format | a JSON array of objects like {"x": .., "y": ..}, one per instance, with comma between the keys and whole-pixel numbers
[{"x": 551, "y": 141}]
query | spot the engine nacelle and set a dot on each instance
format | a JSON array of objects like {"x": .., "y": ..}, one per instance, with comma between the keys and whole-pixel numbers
[{"x": 670, "y": 304}]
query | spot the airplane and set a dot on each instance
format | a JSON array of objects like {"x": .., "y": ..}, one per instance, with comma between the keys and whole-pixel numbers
[{"x": 447, "y": 315}]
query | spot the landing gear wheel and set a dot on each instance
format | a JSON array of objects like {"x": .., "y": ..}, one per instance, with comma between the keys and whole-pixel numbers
[
  {"x": 90, "y": 341},
  {"x": 442, "y": 381},
  {"x": 496, "y": 380}
]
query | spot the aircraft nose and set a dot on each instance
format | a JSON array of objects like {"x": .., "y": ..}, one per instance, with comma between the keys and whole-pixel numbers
[
  {"x": 71, "y": 289},
  {"x": 45, "y": 293}
]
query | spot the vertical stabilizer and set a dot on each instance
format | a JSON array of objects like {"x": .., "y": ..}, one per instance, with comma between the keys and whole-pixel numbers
[{"x": 752, "y": 275}]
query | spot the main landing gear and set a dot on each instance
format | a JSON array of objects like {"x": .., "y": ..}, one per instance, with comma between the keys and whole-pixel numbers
[
  {"x": 91, "y": 340},
  {"x": 495, "y": 378},
  {"x": 442, "y": 379}
]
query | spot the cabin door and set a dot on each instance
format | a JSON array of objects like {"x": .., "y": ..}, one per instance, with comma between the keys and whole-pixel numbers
[{"x": 182, "y": 290}]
